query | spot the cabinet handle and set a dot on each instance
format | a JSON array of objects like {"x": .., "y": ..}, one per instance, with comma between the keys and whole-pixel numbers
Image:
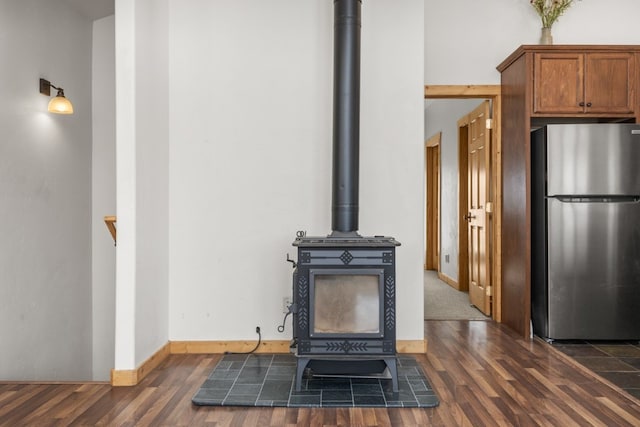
[
  {"x": 581, "y": 104},
  {"x": 588, "y": 104}
]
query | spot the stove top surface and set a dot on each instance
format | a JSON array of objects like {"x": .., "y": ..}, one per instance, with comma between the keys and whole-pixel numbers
[{"x": 350, "y": 241}]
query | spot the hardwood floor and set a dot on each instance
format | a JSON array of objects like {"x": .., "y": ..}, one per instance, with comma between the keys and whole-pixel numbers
[{"x": 483, "y": 373}]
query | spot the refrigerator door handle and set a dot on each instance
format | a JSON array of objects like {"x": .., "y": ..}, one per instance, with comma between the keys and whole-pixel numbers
[
  {"x": 635, "y": 131},
  {"x": 597, "y": 199}
]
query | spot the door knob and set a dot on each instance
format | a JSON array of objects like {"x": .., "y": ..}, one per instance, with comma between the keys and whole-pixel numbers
[{"x": 469, "y": 217}]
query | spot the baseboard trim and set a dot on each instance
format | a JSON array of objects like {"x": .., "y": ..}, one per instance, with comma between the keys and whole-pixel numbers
[
  {"x": 412, "y": 346},
  {"x": 448, "y": 280},
  {"x": 131, "y": 377},
  {"x": 219, "y": 347}
]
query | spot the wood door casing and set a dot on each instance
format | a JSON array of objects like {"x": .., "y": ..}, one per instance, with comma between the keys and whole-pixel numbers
[
  {"x": 478, "y": 196},
  {"x": 493, "y": 93},
  {"x": 432, "y": 153}
]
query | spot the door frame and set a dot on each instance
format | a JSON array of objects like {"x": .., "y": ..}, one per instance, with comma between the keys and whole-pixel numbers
[
  {"x": 463, "y": 200},
  {"x": 493, "y": 93},
  {"x": 432, "y": 202}
]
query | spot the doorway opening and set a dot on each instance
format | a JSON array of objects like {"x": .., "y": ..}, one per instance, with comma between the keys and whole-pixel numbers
[{"x": 461, "y": 228}]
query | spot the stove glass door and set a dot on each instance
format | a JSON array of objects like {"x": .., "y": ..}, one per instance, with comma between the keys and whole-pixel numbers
[{"x": 346, "y": 303}]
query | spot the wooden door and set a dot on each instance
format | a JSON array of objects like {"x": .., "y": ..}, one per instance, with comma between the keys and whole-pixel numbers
[
  {"x": 432, "y": 150},
  {"x": 479, "y": 237},
  {"x": 609, "y": 83}
]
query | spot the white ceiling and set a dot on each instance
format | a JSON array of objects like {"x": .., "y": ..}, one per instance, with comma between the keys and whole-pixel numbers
[{"x": 94, "y": 9}]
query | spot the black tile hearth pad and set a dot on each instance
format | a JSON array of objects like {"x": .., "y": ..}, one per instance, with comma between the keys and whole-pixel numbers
[{"x": 268, "y": 380}]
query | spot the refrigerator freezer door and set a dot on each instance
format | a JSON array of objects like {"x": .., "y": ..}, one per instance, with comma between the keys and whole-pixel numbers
[
  {"x": 594, "y": 270},
  {"x": 593, "y": 159}
]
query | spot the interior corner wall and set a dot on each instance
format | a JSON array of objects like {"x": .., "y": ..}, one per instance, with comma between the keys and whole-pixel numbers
[
  {"x": 45, "y": 186},
  {"x": 142, "y": 135},
  {"x": 103, "y": 196},
  {"x": 152, "y": 177},
  {"x": 250, "y": 150}
]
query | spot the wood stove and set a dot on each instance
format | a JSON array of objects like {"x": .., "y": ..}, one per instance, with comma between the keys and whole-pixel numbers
[
  {"x": 344, "y": 285},
  {"x": 344, "y": 306}
]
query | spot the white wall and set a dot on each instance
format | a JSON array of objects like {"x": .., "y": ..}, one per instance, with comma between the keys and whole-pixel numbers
[
  {"x": 142, "y": 170},
  {"x": 103, "y": 196},
  {"x": 464, "y": 42},
  {"x": 45, "y": 187},
  {"x": 152, "y": 170},
  {"x": 250, "y": 123},
  {"x": 125, "y": 317}
]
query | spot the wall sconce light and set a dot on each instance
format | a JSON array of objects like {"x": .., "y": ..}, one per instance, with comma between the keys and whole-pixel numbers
[{"x": 59, "y": 104}]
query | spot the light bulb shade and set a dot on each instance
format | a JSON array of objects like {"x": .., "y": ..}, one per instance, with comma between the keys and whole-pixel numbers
[{"x": 60, "y": 105}]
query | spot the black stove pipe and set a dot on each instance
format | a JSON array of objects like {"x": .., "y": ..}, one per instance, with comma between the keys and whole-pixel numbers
[{"x": 346, "y": 117}]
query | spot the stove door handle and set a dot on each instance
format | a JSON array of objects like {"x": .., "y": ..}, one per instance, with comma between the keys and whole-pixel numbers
[
  {"x": 293, "y": 308},
  {"x": 292, "y": 261}
]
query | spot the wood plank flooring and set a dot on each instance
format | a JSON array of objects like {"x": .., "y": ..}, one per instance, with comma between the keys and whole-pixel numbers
[{"x": 483, "y": 373}]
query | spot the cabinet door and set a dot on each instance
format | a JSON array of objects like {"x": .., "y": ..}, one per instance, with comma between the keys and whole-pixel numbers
[
  {"x": 609, "y": 83},
  {"x": 558, "y": 83}
]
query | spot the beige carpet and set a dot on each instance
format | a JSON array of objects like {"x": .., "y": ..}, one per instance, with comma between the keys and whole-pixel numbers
[{"x": 442, "y": 302}]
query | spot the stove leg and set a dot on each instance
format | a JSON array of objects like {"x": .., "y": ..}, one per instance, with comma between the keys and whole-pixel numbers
[
  {"x": 393, "y": 370},
  {"x": 301, "y": 365}
]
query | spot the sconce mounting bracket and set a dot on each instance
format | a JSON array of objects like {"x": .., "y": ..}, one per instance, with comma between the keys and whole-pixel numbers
[{"x": 45, "y": 87}]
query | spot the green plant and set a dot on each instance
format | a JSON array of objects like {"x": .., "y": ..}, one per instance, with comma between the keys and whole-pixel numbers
[{"x": 550, "y": 10}]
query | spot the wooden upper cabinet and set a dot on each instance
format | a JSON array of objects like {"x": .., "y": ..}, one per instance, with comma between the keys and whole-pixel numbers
[
  {"x": 558, "y": 83},
  {"x": 576, "y": 83},
  {"x": 609, "y": 84}
]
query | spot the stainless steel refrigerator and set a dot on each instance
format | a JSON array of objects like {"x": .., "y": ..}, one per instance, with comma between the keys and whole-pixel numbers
[{"x": 585, "y": 226}]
